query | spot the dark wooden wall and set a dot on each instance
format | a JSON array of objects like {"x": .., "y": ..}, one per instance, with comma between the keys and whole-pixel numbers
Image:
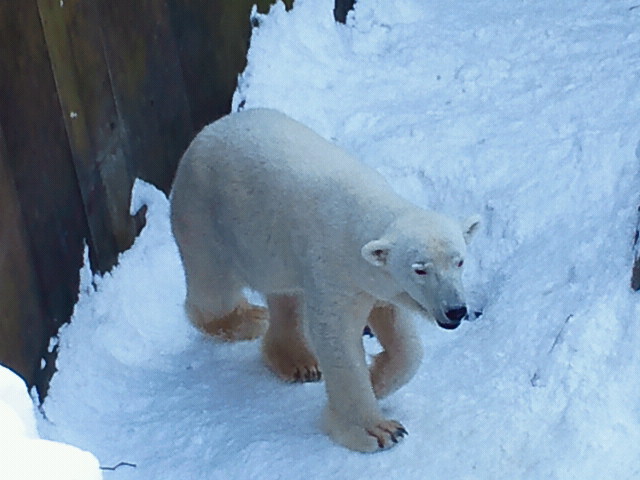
[{"x": 94, "y": 93}]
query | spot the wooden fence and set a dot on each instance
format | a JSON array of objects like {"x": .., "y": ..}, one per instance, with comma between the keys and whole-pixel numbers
[{"x": 94, "y": 93}]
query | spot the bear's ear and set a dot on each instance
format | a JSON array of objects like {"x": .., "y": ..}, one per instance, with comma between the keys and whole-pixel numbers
[
  {"x": 470, "y": 227},
  {"x": 376, "y": 252}
]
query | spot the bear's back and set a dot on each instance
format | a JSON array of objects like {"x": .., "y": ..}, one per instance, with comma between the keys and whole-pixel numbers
[
  {"x": 266, "y": 146},
  {"x": 275, "y": 192},
  {"x": 261, "y": 159}
]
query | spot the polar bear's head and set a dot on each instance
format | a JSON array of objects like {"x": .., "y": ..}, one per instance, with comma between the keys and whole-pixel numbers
[{"x": 423, "y": 256}]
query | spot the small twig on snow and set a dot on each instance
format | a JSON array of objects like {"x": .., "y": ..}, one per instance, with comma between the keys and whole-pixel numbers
[
  {"x": 537, "y": 379},
  {"x": 560, "y": 333},
  {"x": 121, "y": 464}
]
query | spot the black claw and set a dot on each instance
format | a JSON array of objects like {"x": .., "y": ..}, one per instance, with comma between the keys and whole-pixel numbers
[
  {"x": 402, "y": 432},
  {"x": 367, "y": 332},
  {"x": 308, "y": 375}
]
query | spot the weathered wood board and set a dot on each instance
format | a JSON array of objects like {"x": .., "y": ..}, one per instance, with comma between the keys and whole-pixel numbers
[
  {"x": 148, "y": 88},
  {"x": 94, "y": 129},
  {"x": 21, "y": 316}
]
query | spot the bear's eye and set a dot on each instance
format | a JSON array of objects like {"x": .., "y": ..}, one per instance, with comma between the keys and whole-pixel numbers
[
  {"x": 460, "y": 263},
  {"x": 420, "y": 269}
]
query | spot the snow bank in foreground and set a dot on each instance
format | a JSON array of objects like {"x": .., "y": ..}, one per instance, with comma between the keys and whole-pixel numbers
[{"x": 23, "y": 455}]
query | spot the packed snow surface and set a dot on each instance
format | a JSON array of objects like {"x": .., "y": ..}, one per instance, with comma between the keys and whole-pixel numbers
[{"x": 526, "y": 112}]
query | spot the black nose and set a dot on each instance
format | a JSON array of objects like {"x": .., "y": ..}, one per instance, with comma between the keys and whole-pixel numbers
[{"x": 456, "y": 314}]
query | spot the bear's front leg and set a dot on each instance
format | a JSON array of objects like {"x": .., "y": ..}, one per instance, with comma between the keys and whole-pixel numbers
[
  {"x": 402, "y": 354},
  {"x": 352, "y": 417}
]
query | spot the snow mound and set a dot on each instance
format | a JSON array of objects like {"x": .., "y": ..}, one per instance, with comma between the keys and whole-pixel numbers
[{"x": 23, "y": 455}]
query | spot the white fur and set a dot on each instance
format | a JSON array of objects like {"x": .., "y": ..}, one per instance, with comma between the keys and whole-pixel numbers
[{"x": 260, "y": 200}]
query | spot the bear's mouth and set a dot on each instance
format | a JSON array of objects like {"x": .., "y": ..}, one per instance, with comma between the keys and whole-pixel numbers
[
  {"x": 448, "y": 325},
  {"x": 409, "y": 302}
]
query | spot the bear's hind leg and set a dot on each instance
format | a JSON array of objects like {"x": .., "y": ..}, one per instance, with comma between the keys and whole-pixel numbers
[
  {"x": 402, "y": 354},
  {"x": 284, "y": 347},
  {"x": 244, "y": 322},
  {"x": 215, "y": 303}
]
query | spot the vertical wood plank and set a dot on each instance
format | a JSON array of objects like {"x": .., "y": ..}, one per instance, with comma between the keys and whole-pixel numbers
[
  {"x": 22, "y": 329},
  {"x": 94, "y": 129},
  {"x": 212, "y": 37},
  {"x": 147, "y": 84}
]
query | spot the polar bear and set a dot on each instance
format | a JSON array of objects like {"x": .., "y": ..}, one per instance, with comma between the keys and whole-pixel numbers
[{"x": 261, "y": 201}]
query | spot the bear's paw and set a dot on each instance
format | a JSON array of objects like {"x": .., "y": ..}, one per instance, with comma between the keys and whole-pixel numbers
[
  {"x": 378, "y": 435},
  {"x": 245, "y": 322},
  {"x": 291, "y": 360}
]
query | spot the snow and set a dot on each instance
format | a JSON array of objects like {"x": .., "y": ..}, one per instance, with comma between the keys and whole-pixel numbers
[
  {"x": 525, "y": 112},
  {"x": 23, "y": 455}
]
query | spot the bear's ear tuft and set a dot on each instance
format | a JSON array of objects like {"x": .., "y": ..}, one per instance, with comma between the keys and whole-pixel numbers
[
  {"x": 470, "y": 227},
  {"x": 376, "y": 252}
]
